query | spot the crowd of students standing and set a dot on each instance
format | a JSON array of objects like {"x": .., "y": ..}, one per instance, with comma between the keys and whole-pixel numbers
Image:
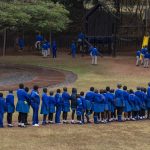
[{"x": 105, "y": 105}]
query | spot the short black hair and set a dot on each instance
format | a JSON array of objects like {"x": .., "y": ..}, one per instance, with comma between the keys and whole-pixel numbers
[
  {"x": 107, "y": 88},
  {"x": 91, "y": 88},
  {"x": 112, "y": 91},
  {"x": 82, "y": 93},
  {"x": 149, "y": 84},
  {"x": 74, "y": 90},
  {"x": 45, "y": 90},
  {"x": 125, "y": 88},
  {"x": 1, "y": 94},
  {"x": 65, "y": 89},
  {"x": 131, "y": 91},
  {"x": 26, "y": 89},
  {"x": 101, "y": 91},
  {"x": 138, "y": 88},
  {"x": 119, "y": 85},
  {"x": 10, "y": 91},
  {"x": 51, "y": 93},
  {"x": 35, "y": 87},
  {"x": 21, "y": 85},
  {"x": 58, "y": 91}
]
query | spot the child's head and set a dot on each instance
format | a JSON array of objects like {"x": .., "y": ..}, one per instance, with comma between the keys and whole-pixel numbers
[
  {"x": 65, "y": 89},
  {"x": 92, "y": 89},
  {"x": 78, "y": 95},
  {"x": 138, "y": 88},
  {"x": 81, "y": 93},
  {"x": 119, "y": 86},
  {"x": 74, "y": 90},
  {"x": 21, "y": 85},
  {"x": 112, "y": 91},
  {"x": 125, "y": 88},
  {"x": 58, "y": 91},
  {"x": 131, "y": 91},
  {"x": 45, "y": 90},
  {"x": 107, "y": 89},
  {"x": 51, "y": 93},
  {"x": 101, "y": 91},
  {"x": 11, "y": 91},
  {"x": 26, "y": 89},
  {"x": 1, "y": 94},
  {"x": 35, "y": 87}
]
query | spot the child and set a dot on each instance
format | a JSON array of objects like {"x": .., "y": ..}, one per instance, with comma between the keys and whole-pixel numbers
[
  {"x": 2, "y": 109},
  {"x": 66, "y": 104},
  {"x": 138, "y": 53},
  {"x": 35, "y": 103},
  {"x": 59, "y": 103},
  {"x": 27, "y": 104},
  {"x": 127, "y": 107},
  {"x": 21, "y": 43},
  {"x": 119, "y": 102},
  {"x": 49, "y": 48},
  {"x": 94, "y": 53},
  {"x": 44, "y": 106},
  {"x": 89, "y": 97},
  {"x": 79, "y": 109},
  {"x": 52, "y": 104},
  {"x": 45, "y": 49},
  {"x": 148, "y": 101},
  {"x": 54, "y": 49},
  {"x": 21, "y": 105},
  {"x": 73, "y": 49},
  {"x": 10, "y": 107},
  {"x": 83, "y": 104},
  {"x": 39, "y": 39},
  {"x": 73, "y": 103},
  {"x": 146, "y": 60}
]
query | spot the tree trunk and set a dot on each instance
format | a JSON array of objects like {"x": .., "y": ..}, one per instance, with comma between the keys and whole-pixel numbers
[{"x": 4, "y": 42}]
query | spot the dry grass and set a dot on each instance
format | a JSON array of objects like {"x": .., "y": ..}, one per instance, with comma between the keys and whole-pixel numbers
[{"x": 114, "y": 136}]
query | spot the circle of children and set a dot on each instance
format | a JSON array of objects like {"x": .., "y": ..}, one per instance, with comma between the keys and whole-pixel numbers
[
  {"x": 142, "y": 57},
  {"x": 106, "y": 105},
  {"x": 47, "y": 48}
]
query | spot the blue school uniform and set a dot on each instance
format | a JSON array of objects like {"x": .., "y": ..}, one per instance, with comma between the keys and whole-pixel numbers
[
  {"x": 66, "y": 101},
  {"x": 39, "y": 38},
  {"x": 52, "y": 103},
  {"x": 10, "y": 103},
  {"x": 143, "y": 101},
  {"x": 35, "y": 103},
  {"x": 127, "y": 106},
  {"x": 95, "y": 52},
  {"x": 89, "y": 97},
  {"x": 139, "y": 94},
  {"x": 45, "y": 104},
  {"x": 73, "y": 49},
  {"x": 59, "y": 103},
  {"x": 73, "y": 101},
  {"x": 119, "y": 100},
  {"x": 22, "y": 101},
  {"x": 2, "y": 111},
  {"x": 147, "y": 55},
  {"x": 84, "y": 107},
  {"x": 81, "y": 36},
  {"x": 45, "y": 47},
  {"x": 79, "y": 111},
  {"x": 21, "y": 43},
  {"x": 109, "y": 101},
  {"x": 148, "y": 98},
  {"x": 138, "y": 53},
  {"x": 99, "y": 103}
]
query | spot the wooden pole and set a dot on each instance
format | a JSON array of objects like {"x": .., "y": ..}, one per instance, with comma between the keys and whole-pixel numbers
[{"x": 4, "y": 42}]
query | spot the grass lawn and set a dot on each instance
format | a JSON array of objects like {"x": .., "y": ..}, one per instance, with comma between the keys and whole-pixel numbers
[{"x": 114, "y": 136}]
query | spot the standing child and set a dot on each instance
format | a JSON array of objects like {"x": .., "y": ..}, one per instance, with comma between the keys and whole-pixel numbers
[
  {"x": 44, "y": 106},
  {"x": 52, "y": 104},
  {"x": 73, "y": 103},
  {"x": 54, "y": 49},
  {"x": 73, "y": 49},
  {"x": 146, "y": 60},
  {"x": 35, "y": 103},
  {"x": 66, "y": 104},
  {"x": 49, "y": 48},
  {"x": 45, "y": 49},
  {"x": 83, "y": 104},
  {"x": 119, "y": 102},
  {"x": 94, "y": 54},
  {"x": 59, "y": 103},
  {"x": 138, "y": 53},
  {"x": 79, "y": 109},
  {"x": 10, "y": 107},
  {"x": 2, "y": 109},
  {"x": 127, "y": 107},
  {"x": 148, "y": 101}
]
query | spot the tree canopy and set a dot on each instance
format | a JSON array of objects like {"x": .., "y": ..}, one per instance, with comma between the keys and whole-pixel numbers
[{"x": 37, "y": 15}]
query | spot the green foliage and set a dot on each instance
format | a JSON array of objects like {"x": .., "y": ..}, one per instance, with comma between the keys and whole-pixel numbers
[{"x": 35, "y": 15}]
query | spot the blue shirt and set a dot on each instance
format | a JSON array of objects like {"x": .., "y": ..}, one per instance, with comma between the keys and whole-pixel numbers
[
  {"x": 94, "y": 52},
  {"x": 39, "y": 38},
  {"x": 138, "y": 53}
]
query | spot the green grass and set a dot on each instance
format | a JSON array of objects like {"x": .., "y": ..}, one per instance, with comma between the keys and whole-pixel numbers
[{"x": 115, "y": 136}]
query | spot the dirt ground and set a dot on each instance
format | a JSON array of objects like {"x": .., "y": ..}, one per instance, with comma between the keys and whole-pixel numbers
[{"x": 113, "y": 136}]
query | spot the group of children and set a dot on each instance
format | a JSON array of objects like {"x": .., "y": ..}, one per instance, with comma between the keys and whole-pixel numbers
[
  {"x": 105, "y": 105},
  {"x": 142, "y": 57}
]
